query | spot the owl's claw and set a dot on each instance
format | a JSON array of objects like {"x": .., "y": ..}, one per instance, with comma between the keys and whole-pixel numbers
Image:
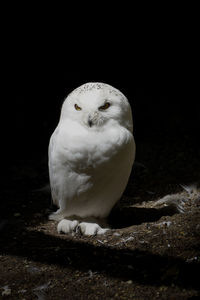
[
  {"x": 91, "y": 228},
  {"x": 67, "y": 226}
]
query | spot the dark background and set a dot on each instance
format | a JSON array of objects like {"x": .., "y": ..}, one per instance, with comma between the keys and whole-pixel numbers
[
  {"x": 165, "y": 101},
  {"x": 152, "y": 59}
]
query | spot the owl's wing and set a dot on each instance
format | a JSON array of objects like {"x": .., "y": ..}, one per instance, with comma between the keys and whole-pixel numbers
[{"x": 52, "y": 175}]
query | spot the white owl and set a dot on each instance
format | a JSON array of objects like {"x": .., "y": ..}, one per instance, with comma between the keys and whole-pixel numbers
[{"x": 91, "y": 153}]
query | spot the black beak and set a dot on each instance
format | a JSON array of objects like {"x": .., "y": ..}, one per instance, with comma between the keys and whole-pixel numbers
[{"x": 90, "y": 122}]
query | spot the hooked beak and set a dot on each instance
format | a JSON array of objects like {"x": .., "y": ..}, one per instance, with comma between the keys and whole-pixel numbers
[
  {"x": 91, "y": 119},
  {"x": 90, "y": 123}
]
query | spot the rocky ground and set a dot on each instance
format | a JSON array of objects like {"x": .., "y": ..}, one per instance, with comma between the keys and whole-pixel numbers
[{"x": 149, "y": 253}]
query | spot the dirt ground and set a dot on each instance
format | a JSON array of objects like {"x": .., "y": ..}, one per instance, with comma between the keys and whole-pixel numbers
[{"x": 149, "y": 253}]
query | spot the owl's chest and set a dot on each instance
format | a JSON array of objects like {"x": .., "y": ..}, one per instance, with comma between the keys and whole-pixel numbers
[{"x": 94, "y": 149}]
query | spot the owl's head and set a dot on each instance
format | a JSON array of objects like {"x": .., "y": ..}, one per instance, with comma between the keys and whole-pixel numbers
[{"x": 94, "y": 105}]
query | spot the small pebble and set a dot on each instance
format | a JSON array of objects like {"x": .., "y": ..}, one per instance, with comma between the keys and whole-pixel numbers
[
  {"x": 198, "y": 227},
  {"x": 116, "y": 234},
  {"x": 17, "y": 214},
  {"x": 6, "y": 291},
  {"x": 129, "y": 282},
  {"x": 22, "y": 291}
]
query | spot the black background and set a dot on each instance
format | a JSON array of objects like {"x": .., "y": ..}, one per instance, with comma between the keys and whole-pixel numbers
[
  {"x": 153, "y": 61},
  {"x": 163, "y": 103}
]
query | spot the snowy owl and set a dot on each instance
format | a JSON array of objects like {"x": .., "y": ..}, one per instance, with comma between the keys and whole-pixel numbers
[{"x": 91, "y": 153}]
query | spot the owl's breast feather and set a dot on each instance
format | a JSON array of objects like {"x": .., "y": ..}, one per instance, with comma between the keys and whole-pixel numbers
[{"x": 88, "y": 149}]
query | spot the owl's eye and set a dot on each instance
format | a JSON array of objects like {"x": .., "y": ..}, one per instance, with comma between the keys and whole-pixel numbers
[
  {"x": 77, "y": 107},
  {"x": 105, "y": 106}
]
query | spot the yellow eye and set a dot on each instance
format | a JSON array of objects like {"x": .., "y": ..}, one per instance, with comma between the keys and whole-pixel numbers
[
  {"x": 77, "y": 107},
  {"x": 105, "y": 106}
]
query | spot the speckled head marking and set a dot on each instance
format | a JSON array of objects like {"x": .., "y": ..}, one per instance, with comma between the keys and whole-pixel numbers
[{"x": 90, "y": 86}]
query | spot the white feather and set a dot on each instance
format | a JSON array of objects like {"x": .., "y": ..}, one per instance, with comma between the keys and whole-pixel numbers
[{"x": 89, "y": 166}]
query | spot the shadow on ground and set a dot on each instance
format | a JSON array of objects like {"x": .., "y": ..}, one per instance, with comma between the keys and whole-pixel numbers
[
  {"x": 19, "y": 238},
  {"x": 146, "y": 268},
  {"x": 128, "y": 216}
]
